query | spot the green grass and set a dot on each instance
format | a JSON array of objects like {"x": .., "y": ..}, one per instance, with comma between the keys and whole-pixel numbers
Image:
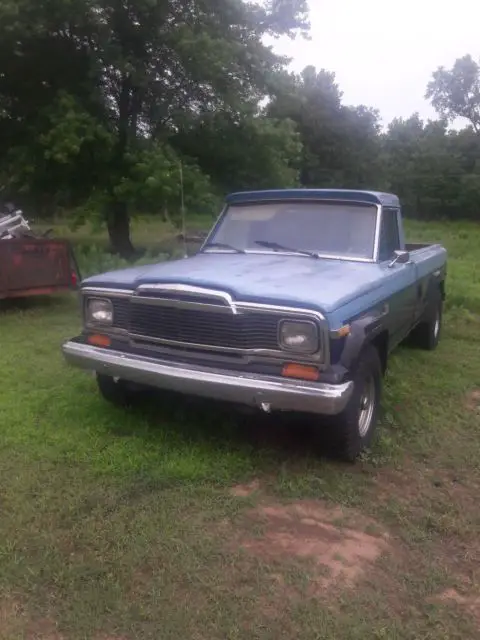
[{"x": 122, "y": 524}]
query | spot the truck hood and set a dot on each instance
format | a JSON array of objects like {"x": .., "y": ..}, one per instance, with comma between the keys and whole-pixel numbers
[{"x": 296, "y": 281}]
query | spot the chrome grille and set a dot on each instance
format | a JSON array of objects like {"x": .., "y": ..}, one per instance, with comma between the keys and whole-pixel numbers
[
  {"x": 212, "y": 328},
  {"x": 121, "y": 312},
  {"x": 180, "y": 320}
]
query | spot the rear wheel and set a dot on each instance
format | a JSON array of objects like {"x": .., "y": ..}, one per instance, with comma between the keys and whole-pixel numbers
[
  {"x": 117, "y": 392},
  {"x": 426, "y": 334},
  {"x": 352, "y": 430}
]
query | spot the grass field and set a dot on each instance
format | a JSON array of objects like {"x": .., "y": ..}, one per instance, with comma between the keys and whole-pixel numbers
[{"x": 183, "y": 520}]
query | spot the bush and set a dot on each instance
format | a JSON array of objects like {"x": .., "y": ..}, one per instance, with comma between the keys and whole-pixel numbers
[{"x": 93, "y": 259}]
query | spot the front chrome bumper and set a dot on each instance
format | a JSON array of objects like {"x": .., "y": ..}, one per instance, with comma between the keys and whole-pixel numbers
[{"x": 248, "y": 389}]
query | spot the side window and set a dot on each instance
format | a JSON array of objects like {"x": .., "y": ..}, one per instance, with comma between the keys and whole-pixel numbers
[{"x": 389, "y": 236}]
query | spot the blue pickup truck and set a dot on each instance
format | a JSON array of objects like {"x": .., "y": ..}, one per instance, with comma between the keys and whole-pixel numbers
[{"x": 293, "y": 303}]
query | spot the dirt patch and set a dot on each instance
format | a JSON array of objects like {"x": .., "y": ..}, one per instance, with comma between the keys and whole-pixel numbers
[
  {"x": 43, "y": 629},
  {"x": 468, "y": 602},
  {"x": 11, "y": 618},
  {"x": 412, "y": 483},
  {"x": 443, "y": 502},
  {"x": 245, "y": 490},
  {"x": 15, "y": 622},
  {"x": 140, "y": 581},
  {"x": 473, "y": 401},
  {"x": 340, "y": 544}
]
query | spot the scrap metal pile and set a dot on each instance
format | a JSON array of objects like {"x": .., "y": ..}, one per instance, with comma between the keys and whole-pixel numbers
[
  {"x": 14, "y": 225},
  {"x": 33, "y": 263}
]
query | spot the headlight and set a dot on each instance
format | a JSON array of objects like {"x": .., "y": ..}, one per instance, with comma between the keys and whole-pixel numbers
[
  {"x": 301, "y": 337},
  {"x": 99, "y": 311}
]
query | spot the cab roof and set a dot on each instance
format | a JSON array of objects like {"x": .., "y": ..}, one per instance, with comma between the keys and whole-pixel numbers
[{"x": 342, "y": 195}]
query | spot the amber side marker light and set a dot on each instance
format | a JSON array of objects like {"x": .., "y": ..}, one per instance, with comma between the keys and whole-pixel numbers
[
  {"x": 344, "y": 331},
  {"x": 300, "y": 371},
  {"x": 99, "y": 341}
]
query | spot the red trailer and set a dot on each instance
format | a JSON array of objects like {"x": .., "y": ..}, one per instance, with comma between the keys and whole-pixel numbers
[{"x": 36, "y": 266}]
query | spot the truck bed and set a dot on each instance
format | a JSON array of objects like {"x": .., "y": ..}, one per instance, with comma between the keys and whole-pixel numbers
[{"x": 416, "y": 246}]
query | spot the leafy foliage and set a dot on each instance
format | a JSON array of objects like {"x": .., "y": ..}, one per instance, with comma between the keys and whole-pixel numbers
[
  {"x": 96, "y": 88},
  {"x": 256, "y": 151},
  {"x": 108, "y": 106},
  {"x": 339, "y": 143},
  {"x": 455, "y": 93},
  {"x": 434, "y": 170}
]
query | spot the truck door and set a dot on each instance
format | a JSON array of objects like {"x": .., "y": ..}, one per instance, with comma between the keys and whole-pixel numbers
[{"x": 402, "y": 278}]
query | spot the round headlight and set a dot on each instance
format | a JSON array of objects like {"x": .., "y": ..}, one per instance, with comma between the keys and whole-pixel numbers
[
  {"x": 99, "y": 311},
  {"x": 301, "y": 337}
]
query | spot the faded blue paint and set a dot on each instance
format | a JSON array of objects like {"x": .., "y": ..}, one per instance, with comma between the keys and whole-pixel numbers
[
  {"x": 337, "y": 288},
  {"x": 350, "y": 195},
  {"x": 340, "y": 289},
  {"x": 297, "y": 281},
  {"x": 118, "y": 279},
  {"x": 401, "y": 278}
]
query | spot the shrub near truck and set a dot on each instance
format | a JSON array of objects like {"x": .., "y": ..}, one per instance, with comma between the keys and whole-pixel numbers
[{"x": 293, "y": 303}]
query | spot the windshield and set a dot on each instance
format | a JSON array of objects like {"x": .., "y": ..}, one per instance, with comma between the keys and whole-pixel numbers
[{"x": 329, "y": 229}]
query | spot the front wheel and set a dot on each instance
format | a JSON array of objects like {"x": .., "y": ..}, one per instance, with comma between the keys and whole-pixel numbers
[{"x": 352, "y": 430}]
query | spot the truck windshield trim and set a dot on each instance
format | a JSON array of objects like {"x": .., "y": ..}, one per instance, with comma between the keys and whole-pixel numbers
[{"x": 333, "y": 230}]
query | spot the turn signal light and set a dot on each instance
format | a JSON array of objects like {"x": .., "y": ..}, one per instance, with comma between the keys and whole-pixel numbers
[
  {"x": 301, "y": 371},
  {"x": 99, "y": 341},
  {"x": 344, "y": 331}
]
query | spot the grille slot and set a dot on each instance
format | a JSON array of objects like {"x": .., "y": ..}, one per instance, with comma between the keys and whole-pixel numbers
[
  {"x": 192, "y": 326},
  {"x": 187, "y": 327},
  {"x": 121, "y": 313}
]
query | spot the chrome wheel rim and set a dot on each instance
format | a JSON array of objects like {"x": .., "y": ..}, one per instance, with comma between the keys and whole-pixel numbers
[
  {"x": 367, "y": 407},
  {"x": 436, "y": 326}
]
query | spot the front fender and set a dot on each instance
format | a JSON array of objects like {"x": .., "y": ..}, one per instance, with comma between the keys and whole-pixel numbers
[{"x": 364, "y": 330}]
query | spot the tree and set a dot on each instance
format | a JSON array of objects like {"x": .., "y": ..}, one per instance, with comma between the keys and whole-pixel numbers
[
  {"x": 455, "y": 92},
  {"x": 254, "y": 151},
  {"x": 428, "y": 167},
  {"x": 145, "y": 65},
  {"x": 104, "y": 103},
  {"x": 339, "y": 143}
]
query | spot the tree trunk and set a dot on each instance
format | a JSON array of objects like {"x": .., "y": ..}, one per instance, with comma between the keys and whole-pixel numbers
[
  {"x": 118, "y": 225},
  {"x": 118, "y": 220},
  {"x": 166, "y": 215}
]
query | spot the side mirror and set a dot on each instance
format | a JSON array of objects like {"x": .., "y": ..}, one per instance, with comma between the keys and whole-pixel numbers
[{"x": 401, "y": 257}]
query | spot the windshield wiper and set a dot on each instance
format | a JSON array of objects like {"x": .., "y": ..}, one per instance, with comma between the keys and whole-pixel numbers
[
  {"x": 223, "y": 245},
  {"x": 280, "y": 247}
]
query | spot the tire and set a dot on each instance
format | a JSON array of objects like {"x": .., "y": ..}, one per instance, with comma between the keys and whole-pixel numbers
[
  {"x": 117, "y": 392},
  {"x": 427, "y": 333},
  {"x": 353, "y": 430}
]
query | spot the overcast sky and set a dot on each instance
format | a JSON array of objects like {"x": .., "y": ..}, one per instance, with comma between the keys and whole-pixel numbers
[{"x": 383, "y": 52}]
